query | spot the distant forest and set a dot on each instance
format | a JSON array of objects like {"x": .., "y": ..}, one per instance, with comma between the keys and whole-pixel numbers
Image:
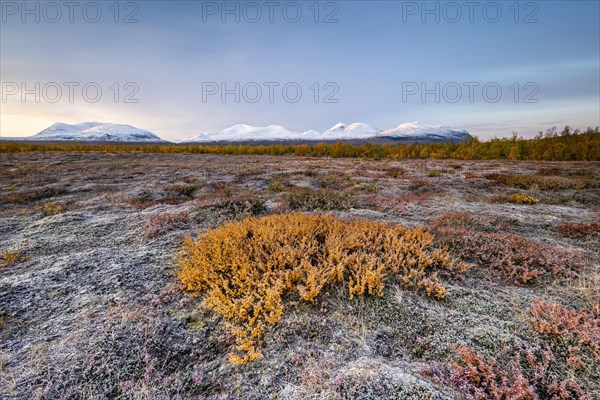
[{"x": 553, "y": 145}]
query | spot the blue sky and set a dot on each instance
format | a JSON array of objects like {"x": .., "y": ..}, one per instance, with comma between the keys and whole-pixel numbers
[{"x": 368, "y": 56}]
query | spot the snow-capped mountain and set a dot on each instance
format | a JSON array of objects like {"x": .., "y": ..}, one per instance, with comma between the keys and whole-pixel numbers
[
  {"x": 95, "y": 131},
  {"x": 106, "y": 132},
  {"x": 241, "y": 133},
  {"x": 416, "y": 130},
  {"x": 357, "y": 130},
  {"x": 410, "y": 131}
]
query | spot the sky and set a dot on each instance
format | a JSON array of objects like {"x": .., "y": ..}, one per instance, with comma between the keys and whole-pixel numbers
[{"x": 182, "y": 68}]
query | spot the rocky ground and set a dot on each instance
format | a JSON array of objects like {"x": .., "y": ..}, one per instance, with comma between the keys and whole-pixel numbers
[{"x": 90, "y": 306}]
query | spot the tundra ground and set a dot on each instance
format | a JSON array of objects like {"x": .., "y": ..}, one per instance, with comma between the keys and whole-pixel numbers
[{"x": 90, "y": 306}]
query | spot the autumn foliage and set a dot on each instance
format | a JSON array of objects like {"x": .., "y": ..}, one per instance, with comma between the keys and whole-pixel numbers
[
  {"x": 576, "y": 330},
  {"x": 247, "y": 268},
  {"x": 562, "y": 365},
  {"x": 509, "y": 255},
  {"x": 575, "y": 230}
]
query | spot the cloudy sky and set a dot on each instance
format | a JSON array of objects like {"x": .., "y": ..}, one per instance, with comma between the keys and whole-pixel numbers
[{"x": 182, "y": 68}]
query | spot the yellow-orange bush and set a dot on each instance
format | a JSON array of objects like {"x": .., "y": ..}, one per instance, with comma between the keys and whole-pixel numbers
[
  {"x": 245, "y": 268},
  {"x": 522, "y": 198}
]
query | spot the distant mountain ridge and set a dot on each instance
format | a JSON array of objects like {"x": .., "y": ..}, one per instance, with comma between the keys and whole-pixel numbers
[
  {"x": 241, "y": 133},
  {"x": 410, "y": 131}
]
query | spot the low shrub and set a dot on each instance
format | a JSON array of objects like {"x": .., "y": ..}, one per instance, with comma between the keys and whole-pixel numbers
[
  {"x": 10, "y": 258},
  {"x": 32, "y": 195},
  {"x": 545, "y": 182},
  {"x": 565, "y": 171},
  {"x": 247, "y": 268},
  {"x": 313, "y": 200},
  {"x": 337, "y": 181},
  {"x": 522, "y": 198},
  {"x": 215, "y": 211},
  {"x": 399, "y": 203},
  {"x": 178, "y": 190},
  {"x": 528, "y": 374},
  {"x": 575, "y": 333},
  {"x": 139, "y": 203},
  {"x": 503, "y": 198},
  {"x": 369, "y": 187},
  {"x": 163, "y": 223},
  {"x": 471, "y": 175},
  {"x": 575, "y": 230},
  {"x": 395, "y": 172},
  {"x": 511, "y": 256},
  {"x": 420, "y": 185},
  {"x": 50, "y": 208},
  {"x": 276, "y": 186},
  {"x": 479, "y": 377}
]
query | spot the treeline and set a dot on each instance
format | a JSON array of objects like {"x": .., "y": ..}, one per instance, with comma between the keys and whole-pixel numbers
[{"x": 553, "y": 145}]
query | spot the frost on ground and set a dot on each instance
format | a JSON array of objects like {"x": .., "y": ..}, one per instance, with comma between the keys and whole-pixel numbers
[{"x": 90, "y": 306}]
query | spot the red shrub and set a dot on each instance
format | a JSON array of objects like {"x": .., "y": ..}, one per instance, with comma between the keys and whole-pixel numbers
[
  {"x": 525, "y": 375},
  {"x": 398, "y": 203},
  {"x": 574, "y": 230},
  {"x": 479, "y": 378},
  {"x": 576, "y": 330},
  {"x": 163, "y": 223},
  {"x": 512, "y": 256}
]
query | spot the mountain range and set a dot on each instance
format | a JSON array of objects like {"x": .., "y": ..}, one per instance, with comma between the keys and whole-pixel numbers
[{"x": 107, "y": 132}]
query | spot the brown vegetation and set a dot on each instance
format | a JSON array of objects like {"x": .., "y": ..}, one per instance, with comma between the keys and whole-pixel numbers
[
  {"x": 578, "y": 230},
  {"x": 166, "y": 222},
  {"x": 513, "y": 257}
]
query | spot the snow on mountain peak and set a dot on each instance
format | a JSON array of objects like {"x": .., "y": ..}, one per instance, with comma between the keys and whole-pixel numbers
[
  {"x": 417, "y": 130},
  {"x": 340, "y": 131},
  {"x": 340, "y": 126},
  {"x": 99, "y": 131},
  {"x": 95, "y": 131},
  {"x": 356, "y": 130}
]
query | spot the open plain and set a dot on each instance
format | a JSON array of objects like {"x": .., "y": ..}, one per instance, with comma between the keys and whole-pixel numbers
[{"x": 91, "y": 305}]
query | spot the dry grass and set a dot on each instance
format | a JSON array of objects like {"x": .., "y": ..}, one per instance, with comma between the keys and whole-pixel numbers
[
  {"x": 247, "y": 268},
  {"x": 586, "y": 286},
  {"x": 10, "y": 258}
]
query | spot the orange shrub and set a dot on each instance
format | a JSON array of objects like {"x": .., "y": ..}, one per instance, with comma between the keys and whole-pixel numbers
[{"x": 245, "y": 268}]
